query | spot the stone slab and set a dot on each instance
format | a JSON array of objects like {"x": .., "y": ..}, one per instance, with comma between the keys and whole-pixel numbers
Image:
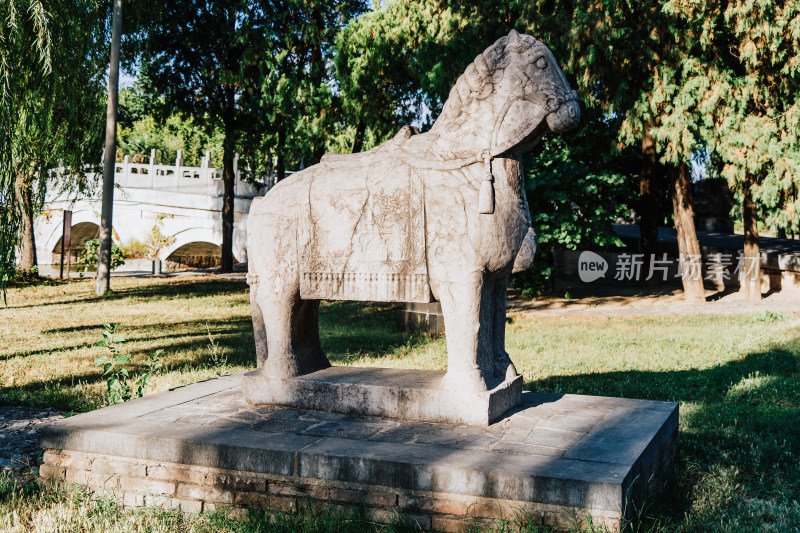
[
  {"x": 555, "y": 455},
  {"x": 404, "y": 394}
]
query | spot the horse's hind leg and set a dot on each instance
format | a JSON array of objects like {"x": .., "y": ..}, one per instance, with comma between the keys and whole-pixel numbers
[
  {"x": 305, "y": 338},
  {"x": 259, "y": 329},
  {"x": 461, "y": 309},
  {"x": 278, "y": 317}
]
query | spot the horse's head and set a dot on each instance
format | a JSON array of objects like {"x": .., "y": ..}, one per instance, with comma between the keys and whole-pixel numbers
[
  {"x": 508, "y": 96},
  {"x": 545, "y": 91}
]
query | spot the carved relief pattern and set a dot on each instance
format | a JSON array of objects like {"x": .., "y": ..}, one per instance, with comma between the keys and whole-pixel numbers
[{"x": 373, "y": 234}]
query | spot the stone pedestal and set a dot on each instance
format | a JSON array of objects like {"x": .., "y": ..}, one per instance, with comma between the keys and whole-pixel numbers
[
  {"x": 404, "y": 394},
  {"x": 421, "y": 317},
  {"x": 558, "y": 459}
]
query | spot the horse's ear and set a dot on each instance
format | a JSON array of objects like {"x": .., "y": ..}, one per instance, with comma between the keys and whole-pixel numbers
[{"x": 513, "y": 38}]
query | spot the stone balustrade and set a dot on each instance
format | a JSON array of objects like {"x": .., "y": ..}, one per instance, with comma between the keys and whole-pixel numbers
[
  {"x": 179, "y": 178},
  {"x": 205, "y": 179},
  {"x": 185, "y": 200}
]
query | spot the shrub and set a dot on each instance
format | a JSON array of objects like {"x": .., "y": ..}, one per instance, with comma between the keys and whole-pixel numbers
[
  {"x": 135, "y": 249},
  {"x": 90, "y": 250}
]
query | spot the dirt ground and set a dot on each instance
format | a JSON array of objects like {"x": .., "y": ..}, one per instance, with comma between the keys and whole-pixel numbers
[
  {"x": 20, "y": 453},
  {"x": 614, "y": 301}
]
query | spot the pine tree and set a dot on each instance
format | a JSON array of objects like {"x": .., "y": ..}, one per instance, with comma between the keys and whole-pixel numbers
[
  {"x": 255, "y": 69},
  {"x": 737, "y": 93},
  {"x": 300, "y": 107}
]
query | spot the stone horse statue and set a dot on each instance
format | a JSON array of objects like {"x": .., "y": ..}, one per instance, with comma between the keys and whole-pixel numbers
[{"x": 438, "y": 215}]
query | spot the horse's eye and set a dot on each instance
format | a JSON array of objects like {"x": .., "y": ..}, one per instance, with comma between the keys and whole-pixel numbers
[{"x": 541, "y": 63}]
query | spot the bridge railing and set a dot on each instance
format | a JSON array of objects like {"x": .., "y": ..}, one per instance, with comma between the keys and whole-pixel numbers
[{"x": 203, "y": 180}]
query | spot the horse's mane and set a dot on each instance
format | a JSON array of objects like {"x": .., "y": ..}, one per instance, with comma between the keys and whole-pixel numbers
[{"x": 477, "y": 81}]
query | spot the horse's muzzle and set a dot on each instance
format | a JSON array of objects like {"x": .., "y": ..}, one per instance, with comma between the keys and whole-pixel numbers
[{"x": 565, "y": 118}]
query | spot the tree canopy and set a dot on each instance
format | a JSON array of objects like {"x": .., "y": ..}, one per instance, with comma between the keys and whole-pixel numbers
[
  {"x": 300, "y": 105},
  {"x": 141, "y": 131},
  {"x": 282, "y": 81},
  {"x": 397, "y": 63},
  {"x": 255, "y": 69},
  {"x": 736, "y": 93}
]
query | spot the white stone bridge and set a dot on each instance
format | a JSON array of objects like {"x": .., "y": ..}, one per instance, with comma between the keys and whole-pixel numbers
[{"x": 185, "y": 203}]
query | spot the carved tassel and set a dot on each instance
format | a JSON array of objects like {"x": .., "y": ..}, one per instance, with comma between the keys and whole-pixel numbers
[{"x": 486, "y": 195}]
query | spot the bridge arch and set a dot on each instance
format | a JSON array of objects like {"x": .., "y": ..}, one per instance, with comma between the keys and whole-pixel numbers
[
  {"x": 85, "y": 227},
  {"x": 84, "y": 218},
  {"x": 196, "y": 243},
  {"x": 81, "y": 233}
]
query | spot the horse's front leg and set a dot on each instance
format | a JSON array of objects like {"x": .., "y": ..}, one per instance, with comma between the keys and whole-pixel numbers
[
  {"x": 461, "y": 303},
  {"x": 502, "y": 366}
]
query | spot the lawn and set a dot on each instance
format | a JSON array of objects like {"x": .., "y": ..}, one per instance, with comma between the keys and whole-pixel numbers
[{"x": 737, "y": 378}]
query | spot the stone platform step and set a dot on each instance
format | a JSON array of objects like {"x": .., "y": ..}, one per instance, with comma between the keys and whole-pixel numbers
[
  {"x": 399, "y": 393},
  {"x": 559, "y": 458}
]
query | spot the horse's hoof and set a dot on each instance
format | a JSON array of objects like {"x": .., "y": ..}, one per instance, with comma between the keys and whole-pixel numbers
[
  {"x": 504, "y": 369},
  {"x": 511, "y": 372},
  {"x": 465, "y": 381},
  {"x": 280, "y": 368}
]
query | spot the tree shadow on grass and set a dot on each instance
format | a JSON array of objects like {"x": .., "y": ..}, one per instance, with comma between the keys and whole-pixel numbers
[
  {"x": 32, "y": 280},
  {"x": 362, "y": 328},
  {"x": 739, "y": 433},
  {"x": 678, "y": 385},
  {"x": 190, "y": 288},
  {"x": 346, "y": 328},
  {"x": 149, "y": 333},
  {"x": 185, "y": 353}
]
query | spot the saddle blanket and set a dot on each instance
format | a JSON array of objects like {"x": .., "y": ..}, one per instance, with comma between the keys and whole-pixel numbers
[{"x": 363, "y": 234}]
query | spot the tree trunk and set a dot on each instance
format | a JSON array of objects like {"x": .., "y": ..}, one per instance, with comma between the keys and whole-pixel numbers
[
  {"x": 750, "y": 275},
  {"x": 280, "y": 167},
  {"x": 26, "y": 251},
  {"x": 649, "y": 200},
  {"x": 361, "y": 130},
  {"x": 688, "y": 246},
  {"x": 104, "y": 251},
  {"x": 228, "y": 182}
]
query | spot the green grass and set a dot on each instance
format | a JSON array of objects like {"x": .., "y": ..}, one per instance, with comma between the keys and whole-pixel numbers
[{"x": 737, "y": 378}]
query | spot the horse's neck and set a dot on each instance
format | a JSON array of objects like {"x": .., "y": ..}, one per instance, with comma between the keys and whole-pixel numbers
[
  {"x": 468, "y": 131},
  {"x": 506, "y": 171}
]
